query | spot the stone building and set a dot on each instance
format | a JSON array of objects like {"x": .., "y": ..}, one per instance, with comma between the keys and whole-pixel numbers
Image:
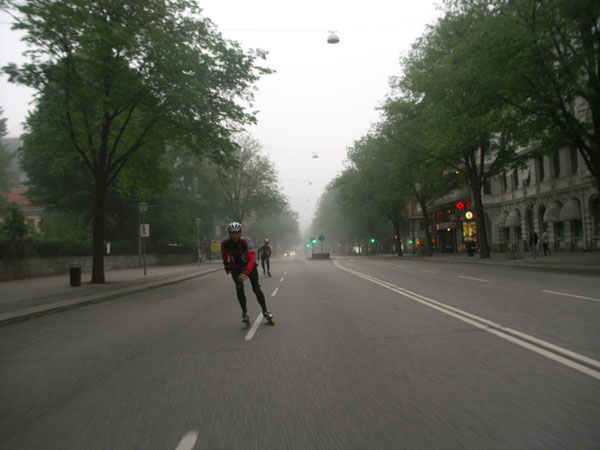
[{"x": 555, "y": 193}]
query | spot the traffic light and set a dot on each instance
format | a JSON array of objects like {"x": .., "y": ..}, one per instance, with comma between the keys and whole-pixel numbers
[
  {"x": 314, "y": 241},
  {"x": 307, "y": 245},
  {"x": 410, "y": 242},
  {"x": 372, "y": 240}
]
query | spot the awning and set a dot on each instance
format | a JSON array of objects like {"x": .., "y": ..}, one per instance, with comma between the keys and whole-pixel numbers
[
  {"x": 501, "y": 220},
  {"x": 552, "y": 214},
  {"x": 571, "y": 210},
  {"x": 513, "y": 219}
]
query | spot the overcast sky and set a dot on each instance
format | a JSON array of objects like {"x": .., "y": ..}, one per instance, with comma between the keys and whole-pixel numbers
[{"x": 321, "y": 98}]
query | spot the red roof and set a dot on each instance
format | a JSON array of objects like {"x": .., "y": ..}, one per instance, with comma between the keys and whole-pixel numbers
[{"x": 18, "y": 196}]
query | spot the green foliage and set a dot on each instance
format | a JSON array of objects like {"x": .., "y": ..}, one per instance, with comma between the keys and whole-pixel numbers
[
  {"x": 5, "y": 157},
  {"x": 281, "y": 228},
  {"x": 15, "y": 231},
  {"x": 250, "y": 187},
  {"x": 120, "y": 82}
]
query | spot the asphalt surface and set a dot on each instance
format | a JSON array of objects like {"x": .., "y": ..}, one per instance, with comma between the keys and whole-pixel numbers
[{"x": 366, "y": 354}]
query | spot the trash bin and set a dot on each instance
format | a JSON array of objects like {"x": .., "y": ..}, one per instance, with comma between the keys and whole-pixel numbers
[{"x": 75, "y": 274}]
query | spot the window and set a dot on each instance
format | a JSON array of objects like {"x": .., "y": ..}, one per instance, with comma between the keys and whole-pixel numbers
[
  {"x": 487, "y": 187},
  {"x": 540, "y": 169},
  {"x": 504, "y": 182},
  {"x": 556, "y": 164},
  {"x": 577, "y": 228},
  {"x": 527, "y": 177},
  {"x": 515, "y": 179},
  {"x": 560, "y": 230},
  {"x": 574, "y": 160}
]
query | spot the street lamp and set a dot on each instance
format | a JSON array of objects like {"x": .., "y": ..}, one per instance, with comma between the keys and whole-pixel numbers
[
  {"x": 198, "y": 239},
  {"x": 143, "y": 207}
]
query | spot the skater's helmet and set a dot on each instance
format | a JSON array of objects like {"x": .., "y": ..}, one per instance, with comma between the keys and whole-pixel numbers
[
  {"x": 234, "y": 227},
  {"x": 266, "y": 241}
]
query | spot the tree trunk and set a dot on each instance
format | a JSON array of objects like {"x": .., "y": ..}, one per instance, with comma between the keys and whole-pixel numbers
[
  {"x": 484, "y": 248},
  {"x": 426, "y": 226},
  {"x": 98, "y": 232}
]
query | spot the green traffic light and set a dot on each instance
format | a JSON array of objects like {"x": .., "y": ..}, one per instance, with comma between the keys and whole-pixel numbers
[
  {"x": 372, "y": 240},
  {"x": 307, "y": 245},
  {"x": 314, "y": 241}
]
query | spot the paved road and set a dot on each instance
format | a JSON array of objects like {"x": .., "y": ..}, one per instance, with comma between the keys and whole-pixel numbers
[{"x": 366, "y": 354}]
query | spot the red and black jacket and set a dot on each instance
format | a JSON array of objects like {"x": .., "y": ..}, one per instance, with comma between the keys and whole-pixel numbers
[{"x": 239, "y": 255}]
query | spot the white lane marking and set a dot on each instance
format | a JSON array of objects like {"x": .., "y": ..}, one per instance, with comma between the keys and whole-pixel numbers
[
  {"x": 572, "y": 295},
  {"x": 471, "y": 278},
  {"x": 281, "y": 281},
  {"x": 401, "y": 267},
  {"x": 188, "y": 441},
  {"x": 285, "y": 273},
  {"x": 250, "y": 334},
  {"x": 524, "y": 340},
  {"x": 428, "y": 271},
  {"x": 351, "y": 260},
  {"x": 274, "y": 292}
]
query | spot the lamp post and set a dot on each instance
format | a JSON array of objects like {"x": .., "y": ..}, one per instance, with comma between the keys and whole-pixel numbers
[
  {"x": 198, "y": 240},
  {"x": 143, "y": 207}
]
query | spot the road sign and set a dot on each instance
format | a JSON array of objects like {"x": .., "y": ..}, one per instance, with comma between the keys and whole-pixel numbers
[
  {"x": 145, "y": 230},
  {"x": 321, "y": 238}
]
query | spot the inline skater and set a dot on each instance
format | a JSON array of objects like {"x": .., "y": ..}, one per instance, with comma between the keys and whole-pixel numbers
[{"x": 239, "y": 259}]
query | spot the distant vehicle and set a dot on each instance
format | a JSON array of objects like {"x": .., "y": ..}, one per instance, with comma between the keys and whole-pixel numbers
[{"x": 289, "y": 253}]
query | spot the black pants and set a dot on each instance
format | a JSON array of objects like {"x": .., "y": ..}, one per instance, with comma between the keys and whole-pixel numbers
[
  {"x": 239, "y": 287},
  {"x": 546, "y": 249},
  {"x": 268, "y": 264}
]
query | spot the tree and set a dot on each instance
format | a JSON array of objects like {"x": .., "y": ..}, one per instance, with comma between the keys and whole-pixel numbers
[
  {"x": 5, "y": 157},
  {"x": 356, "y": 194},
  {"x": 330, "y": 220},
  {"x": 553, "y": 70},
  {"x": 375, "y": 159},
  {"x": 250, "y": 186},
  {"x": 117, "y": 81},
  {"x": 467, "y": 125},
  {"x": 14, "y": 230},
  {"x": 425, "y": 177},
  {"x": 280, "y": 228}
]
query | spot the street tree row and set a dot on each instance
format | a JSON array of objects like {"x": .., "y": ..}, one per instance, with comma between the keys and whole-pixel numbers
[
  {"x": 490, "y": 79},
  {"x": 125, "y": 90}
]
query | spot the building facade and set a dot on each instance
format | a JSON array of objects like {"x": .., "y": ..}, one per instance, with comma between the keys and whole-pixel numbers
[{"x": 553, "y": 193}]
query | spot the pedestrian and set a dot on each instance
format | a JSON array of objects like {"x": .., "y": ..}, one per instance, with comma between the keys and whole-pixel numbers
[
  {"x": 239, "y": 258},
  {"x": 533, "y": 243},
  {"x": 264, "y": 255},
  {"x": 545, "y": 242}
]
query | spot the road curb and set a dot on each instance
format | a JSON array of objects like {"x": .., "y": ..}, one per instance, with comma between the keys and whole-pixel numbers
[{"x": 65, "y": 305}]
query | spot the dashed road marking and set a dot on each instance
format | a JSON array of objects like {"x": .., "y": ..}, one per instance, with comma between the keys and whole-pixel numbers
[
  {"x": 188, "y": 441},
  {"x": 564, "y": 356},
  {"x": 401, "y": 267},
  {"x": 471, "y": 278},
  {"x": 572, "y": 295},
  {"x": 274, "y": 292},
  {"x": 425, "y": 270},
  {"x": 250, "y": 334},
  {"x": 281, "y": 281}
]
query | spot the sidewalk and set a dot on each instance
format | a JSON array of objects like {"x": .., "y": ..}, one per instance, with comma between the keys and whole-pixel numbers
[
  {"x": 573, "y": 262},
  {"x": 30, "y": 297}
]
